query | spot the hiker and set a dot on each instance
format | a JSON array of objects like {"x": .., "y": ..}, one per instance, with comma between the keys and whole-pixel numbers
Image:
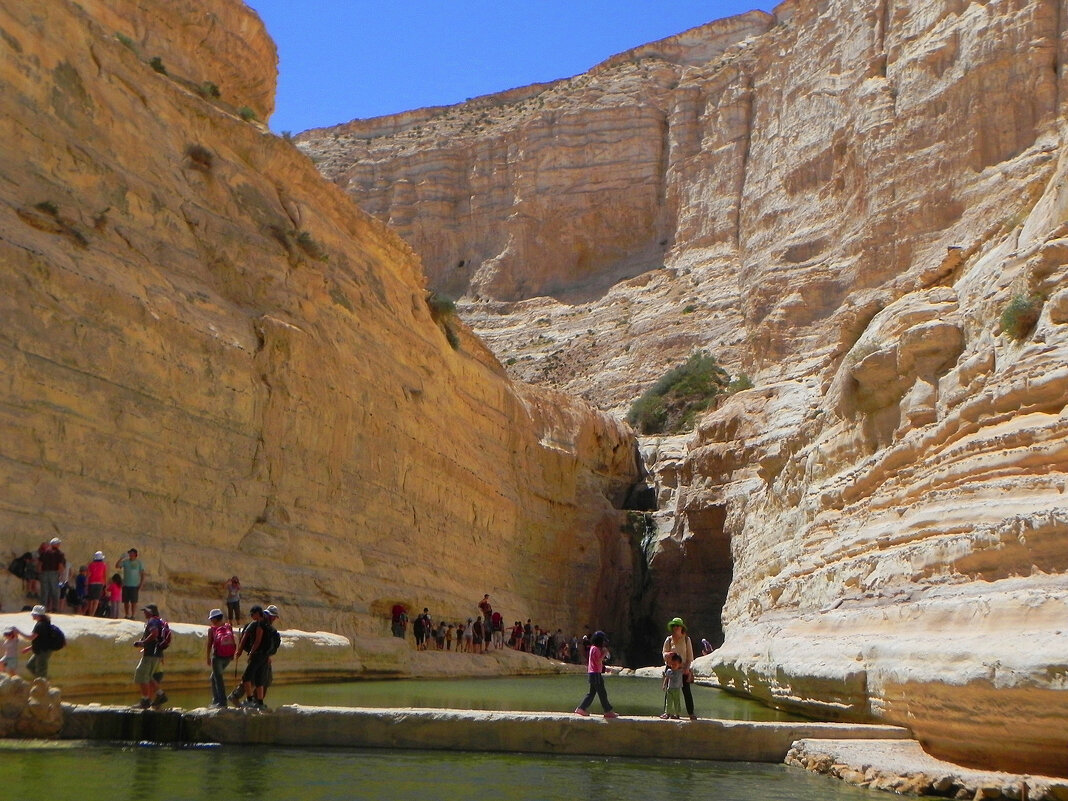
[
  {"x": 52, "y": 564},
  {"x": 44, "y": 640},
  {"x": 222, "y": 646},
  {"x": 154, "y": 641},
  {"x": 677, "y": 642},
  {"x": 673, "y": 676},
  {"x": 97, "y": 577},
  {"x": 273, "y": 641},
  {"x": 595, "y": 672},
  {"x": 133, "y": 578},
  {"x": 233, "y": 599},
  {"x": 252, "y": 643}
]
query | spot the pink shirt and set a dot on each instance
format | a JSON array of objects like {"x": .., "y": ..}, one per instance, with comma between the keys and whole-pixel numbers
[{"x": 596, "y": 664}]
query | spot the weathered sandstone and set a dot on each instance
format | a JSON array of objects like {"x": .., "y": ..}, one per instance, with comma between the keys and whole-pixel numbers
[
  {"x": 900, "y": 766},
  {"x": 845, "y": 198},
  {"x": 211, "y": 354}
]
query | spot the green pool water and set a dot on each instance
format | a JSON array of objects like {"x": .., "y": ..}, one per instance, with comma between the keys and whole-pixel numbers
[
  {"x": 629, "y": 696},
  {"x": 148, "y": 773}
]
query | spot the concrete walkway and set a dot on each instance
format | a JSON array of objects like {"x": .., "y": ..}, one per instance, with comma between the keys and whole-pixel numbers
[{"x": 464, "y": 730}]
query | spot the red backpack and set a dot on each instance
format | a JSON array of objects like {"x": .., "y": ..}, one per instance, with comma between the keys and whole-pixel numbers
[{"x": 225, "y": 642}]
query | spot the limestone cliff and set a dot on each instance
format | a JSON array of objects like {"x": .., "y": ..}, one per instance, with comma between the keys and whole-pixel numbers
[
  {"x": 862, "y": 206},
  {"x": 211, "y": 354}
]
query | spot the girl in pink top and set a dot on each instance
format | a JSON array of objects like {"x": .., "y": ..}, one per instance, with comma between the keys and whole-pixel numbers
[
  {"x": 115, "y": 595},
  {"x": 596, "y": 675}
]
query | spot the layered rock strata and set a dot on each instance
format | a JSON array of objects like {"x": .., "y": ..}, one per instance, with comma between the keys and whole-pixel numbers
[
  {"x": 853, "y": 202},
  {"x": 210, "y": 354}
]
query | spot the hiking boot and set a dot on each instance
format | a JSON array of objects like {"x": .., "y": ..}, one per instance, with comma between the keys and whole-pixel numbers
[
  {"x": 144, "y": 703},
  {"x": 159, "y": 700},
  {"x": 611, "y": 715},
  {"x": 583, "y": 712},
  {"x": 665, "y": 716},
  {"x": 236, "y": 695}
]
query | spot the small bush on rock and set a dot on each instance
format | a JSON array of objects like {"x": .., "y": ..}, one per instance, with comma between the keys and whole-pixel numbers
[
  {"x": 1020, "y": 316},
  {"x": 673, "y": 402}
]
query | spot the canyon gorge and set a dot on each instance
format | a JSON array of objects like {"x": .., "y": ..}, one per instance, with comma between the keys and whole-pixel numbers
[
  {"x": 861, "y": 207},
  {"x": 210, "y": 354},
  {"x": 222, "y": 346}
]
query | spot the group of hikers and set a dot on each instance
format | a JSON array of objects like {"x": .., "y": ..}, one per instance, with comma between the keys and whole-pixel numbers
[
  {"x": 486, "y": 631},
  {"x": 259, "y": 640},
  {"x": 47, "y": 578}
]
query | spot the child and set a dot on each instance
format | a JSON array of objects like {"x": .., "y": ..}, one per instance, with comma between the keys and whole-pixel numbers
[
  {"x": 598, "y": 653},
  {"x": 9, "y": 650},
  {"x": 115, "y": 596},
  {"x": 673, "y": 677}
]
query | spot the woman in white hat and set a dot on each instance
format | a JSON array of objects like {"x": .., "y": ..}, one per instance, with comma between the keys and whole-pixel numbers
[{"x": 95, "y": 580}]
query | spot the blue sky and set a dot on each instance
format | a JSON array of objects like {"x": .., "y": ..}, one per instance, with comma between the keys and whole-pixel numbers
[{"x": 345, "y": 59}]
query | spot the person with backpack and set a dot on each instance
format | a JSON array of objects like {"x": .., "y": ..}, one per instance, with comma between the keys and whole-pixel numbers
[
  {"x": 274, "y": 641},
  {"x": 45, "y": 638},
  {"x": 254, "y": 643},
  {"x": 154, "y": 641},
  {"x": 222, "y": 646}
]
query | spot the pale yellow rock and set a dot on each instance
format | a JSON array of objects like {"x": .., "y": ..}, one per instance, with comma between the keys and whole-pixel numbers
[
  {"x": 212, "y": 355},
  {"x": 849, "y": 197}
]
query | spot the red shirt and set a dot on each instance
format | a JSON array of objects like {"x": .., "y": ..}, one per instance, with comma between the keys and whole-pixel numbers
[{"x": 98, "y": 572}]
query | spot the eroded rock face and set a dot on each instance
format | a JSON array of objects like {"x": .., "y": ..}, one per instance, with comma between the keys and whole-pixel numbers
[
  {"x": 212, "y": 355},
  {"x": 29, "y": 709},
  {"x": 846, "y": 197}
]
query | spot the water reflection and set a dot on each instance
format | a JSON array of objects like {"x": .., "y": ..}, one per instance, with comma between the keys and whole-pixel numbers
[
  {"x": 140, "y": 773},
  {"x": 630, "y": 696}
]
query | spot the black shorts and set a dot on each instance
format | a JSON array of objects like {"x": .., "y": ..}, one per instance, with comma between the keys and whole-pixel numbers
[
  {"x": 96, "y": 592},
  {"x": 256, "y": 672},
  {"x": 129, "y": 594}
]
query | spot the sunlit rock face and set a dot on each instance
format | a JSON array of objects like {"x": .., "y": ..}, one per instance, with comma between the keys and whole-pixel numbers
[
  {"x": 210, "y": 354},
  {"x": 840, "y": 200}
]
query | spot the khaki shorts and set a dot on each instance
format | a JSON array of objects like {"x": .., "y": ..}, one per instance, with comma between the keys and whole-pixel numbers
[{"x": 145, "y": 668}]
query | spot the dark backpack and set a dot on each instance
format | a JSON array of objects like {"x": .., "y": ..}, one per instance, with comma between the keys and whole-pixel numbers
[
  {"x": 56, "y": 639},
  {"x": 18, "y": 564},
  {"x": 274, "y": 640},
  {"x": 163, "y": 642}
]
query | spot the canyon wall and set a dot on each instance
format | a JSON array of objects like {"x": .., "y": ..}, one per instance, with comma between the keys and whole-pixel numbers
[
  {"x": 862, "y": 206},
  {"x": 211, "y": 354}
]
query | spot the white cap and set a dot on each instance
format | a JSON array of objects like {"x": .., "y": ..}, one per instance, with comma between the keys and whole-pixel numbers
[
  {"x": 55, "y": 541},
  {"x": 214, "y": 613},
  {"x": 98, "y": 556},
  {"x": 39, "y": 610}
]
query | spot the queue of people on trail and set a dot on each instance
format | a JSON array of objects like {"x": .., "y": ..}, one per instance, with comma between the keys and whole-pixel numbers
[{"x": 486, "y": 631}]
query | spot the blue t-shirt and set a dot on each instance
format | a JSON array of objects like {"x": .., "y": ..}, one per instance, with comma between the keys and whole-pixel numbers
[{"x": 131, "y": 572}]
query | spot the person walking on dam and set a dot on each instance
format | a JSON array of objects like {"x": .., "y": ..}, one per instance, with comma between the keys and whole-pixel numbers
[
  {"x": 678, "y": 642},
  {"x": 595, "y": 668},
  {"x": 221, "y": 649}
]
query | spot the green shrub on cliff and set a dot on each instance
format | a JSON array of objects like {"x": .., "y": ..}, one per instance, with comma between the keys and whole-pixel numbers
[
  {"x": 671, "y": 404},
  {"x": 1020, "y": 316}
]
